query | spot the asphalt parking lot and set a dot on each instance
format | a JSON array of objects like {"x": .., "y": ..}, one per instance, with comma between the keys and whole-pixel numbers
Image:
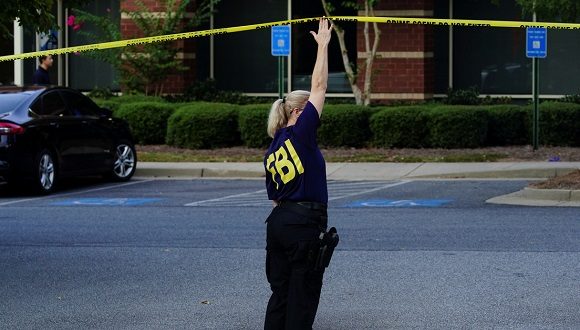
[
  {"x": 252, "y": 193},
  {"x": 189, "y": 254}
]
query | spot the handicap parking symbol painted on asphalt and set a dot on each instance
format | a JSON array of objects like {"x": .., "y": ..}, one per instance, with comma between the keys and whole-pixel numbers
[
  {"x": 106, "y": 201},
  {"x": 400, "y": 203}
]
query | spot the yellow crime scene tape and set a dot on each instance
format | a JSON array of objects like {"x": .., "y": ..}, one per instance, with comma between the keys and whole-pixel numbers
[{"x": 338, "y": 19}]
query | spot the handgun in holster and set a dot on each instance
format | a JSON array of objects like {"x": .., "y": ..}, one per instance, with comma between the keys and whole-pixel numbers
[{"x": 328, "y": 241}]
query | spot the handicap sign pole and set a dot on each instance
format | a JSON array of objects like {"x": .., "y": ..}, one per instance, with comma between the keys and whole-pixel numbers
[
  {"x": 280, "y": 77},
  {"x": 535, "y": 91},
  {"x": 281, "y": 49},
  {"x": 536, "y": 48}
]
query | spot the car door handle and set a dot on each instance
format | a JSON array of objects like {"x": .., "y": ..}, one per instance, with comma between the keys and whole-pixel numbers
[{"x": 53, "y": 124}]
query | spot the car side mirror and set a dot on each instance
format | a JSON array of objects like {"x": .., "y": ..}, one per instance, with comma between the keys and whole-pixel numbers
[{"x": 107, "y": 113}]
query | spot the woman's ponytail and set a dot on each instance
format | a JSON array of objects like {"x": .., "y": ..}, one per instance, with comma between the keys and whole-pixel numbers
[
  {"x": 277, "y": 117},
  {"x": 281, "y": 108}
]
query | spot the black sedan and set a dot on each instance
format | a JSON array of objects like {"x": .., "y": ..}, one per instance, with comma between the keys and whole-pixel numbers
[{"x": 50, "y": 133}]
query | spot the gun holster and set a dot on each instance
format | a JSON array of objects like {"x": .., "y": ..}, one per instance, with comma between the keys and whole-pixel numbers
[{"x": 328, "y": 241}]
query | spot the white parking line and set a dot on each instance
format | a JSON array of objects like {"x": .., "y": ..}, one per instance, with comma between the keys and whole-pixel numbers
[
  {"x": 224, "y": 198},
  {"x": 336, "y": 190},
  {"x": 73, "y": 193},
  {"x": 362, "y": 192}
]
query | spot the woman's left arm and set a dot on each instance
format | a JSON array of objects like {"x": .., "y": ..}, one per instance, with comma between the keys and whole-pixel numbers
[{"x": 320, "y": 72}]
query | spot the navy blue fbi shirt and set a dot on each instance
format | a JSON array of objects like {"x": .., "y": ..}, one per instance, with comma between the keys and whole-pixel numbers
[{"x": 295, "y": 168}]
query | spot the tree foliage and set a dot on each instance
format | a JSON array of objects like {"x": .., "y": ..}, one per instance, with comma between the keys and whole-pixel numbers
[
  {"x": 558, "y": 10},
  {"x": 33, "y": 14},
  {"x": 144, "y": 68},
  {"x": 561, "y": 10}
]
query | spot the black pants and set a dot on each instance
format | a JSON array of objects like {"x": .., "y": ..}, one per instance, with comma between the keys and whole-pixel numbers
[{"x": 291, "y": 235}]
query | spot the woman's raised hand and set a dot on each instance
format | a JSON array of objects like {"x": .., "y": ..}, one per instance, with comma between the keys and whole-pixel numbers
[{"x": 324, "y": 32}]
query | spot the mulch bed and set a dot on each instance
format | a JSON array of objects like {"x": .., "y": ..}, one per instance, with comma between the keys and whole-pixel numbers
[{"x": 569, "y": 181}]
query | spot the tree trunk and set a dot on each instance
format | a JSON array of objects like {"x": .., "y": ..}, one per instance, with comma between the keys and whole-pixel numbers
[
  {"x": 371, "y": 54},
  {"x": 351, "y": 75},
  {"x": 361, "y": 96}
]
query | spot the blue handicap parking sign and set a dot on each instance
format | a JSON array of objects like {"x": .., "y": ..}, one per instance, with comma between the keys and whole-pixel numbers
[
  {"x": 281, "y": 40},
  {"x": 536, "y": 42},
  {"x": 400, "y": 203}
]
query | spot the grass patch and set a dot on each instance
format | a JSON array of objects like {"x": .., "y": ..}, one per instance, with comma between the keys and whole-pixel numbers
[
  {"x": 148, "y": 156},
  {"x": 468, "y": 158},
  {"x": 365, "y": 158},
  {"x": 191, "y": 156}
]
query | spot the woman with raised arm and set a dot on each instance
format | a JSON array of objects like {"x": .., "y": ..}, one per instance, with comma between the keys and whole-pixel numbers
[{"x": 298, "y": 245}]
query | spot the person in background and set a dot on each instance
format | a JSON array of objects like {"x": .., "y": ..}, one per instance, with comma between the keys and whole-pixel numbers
[
  {"x": 41, "y": 76},
  {"x": 296, "y": 184}
]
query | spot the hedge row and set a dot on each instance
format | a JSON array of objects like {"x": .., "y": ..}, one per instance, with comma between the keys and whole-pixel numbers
[
  {"x": 559, "y": 124},
  {"x": 211, "y": 125},
  {"x": 148, "y": 120},
  {"x": 204, "y": 125},
  {"x": 400, "y": 127},
  {"x": 474, "y": 126},
  {"x": 344, "y": 125},
  {"x": 253, "y": 121},
  {"x": 114, "y": 103}
]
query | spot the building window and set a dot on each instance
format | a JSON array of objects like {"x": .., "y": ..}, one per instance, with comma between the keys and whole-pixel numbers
[
  {"x": 6, "y": 67},
  {"x": 304, "y": 48},
  {"x": 86, "y": 73},
  {"x": 441, "y": 49},
  {"x": 494, "y": 59},
  {"x": 491, "y": 59},
  {"x": 243, "y": 60}
]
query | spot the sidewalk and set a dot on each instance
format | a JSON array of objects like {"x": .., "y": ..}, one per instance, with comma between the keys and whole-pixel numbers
[{"x": 398, "y": 171}]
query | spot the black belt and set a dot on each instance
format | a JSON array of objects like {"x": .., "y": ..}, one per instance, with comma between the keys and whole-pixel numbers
[
  {"x": 315, "y": 206},
  {"x": 314, "y": 211}
]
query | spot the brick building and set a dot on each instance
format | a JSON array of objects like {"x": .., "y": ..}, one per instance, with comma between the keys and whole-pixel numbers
[{"x": 414, "y": 62}]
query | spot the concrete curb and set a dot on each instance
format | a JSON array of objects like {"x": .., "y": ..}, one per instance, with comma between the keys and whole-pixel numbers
[
  {"x": 505, "y": 174},
  {"x": 195, "y": 173},
  {"x": 551, "y": 194},
  {"x": 199, "y": 170},
  {"x": 540, "y": 197}
]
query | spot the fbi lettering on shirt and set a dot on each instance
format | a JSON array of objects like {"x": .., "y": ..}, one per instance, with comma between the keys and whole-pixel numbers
[{"x": 284, "y": 162}]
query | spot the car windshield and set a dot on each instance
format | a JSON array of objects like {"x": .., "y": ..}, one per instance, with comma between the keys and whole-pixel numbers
[{"x": 9, "y": 102}]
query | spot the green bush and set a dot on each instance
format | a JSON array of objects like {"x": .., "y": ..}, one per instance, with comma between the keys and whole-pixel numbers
[
  {"x": 508, "y": 125},
  {"x": 559, "y": 123},
  {"x": 132, "y": 98},
  {"x": 344, "y": 125},
  {"x": 110, "y": 104},
  {"x": 457, "y": 126},
  {"x": 372, "y": 109},
  {"x": 148, "y": 120},
  {"x": 208, "y": 91},
  {"x": 400, "y": 127},
  {"x": 469, "y": 96},
  {"x": 102, "y": 93},
  {"x": 253, "y": 121},
  {"x": 574, "y": 98},
  {"x": 114, "y": 103},
  {"x": 204, "y": 125}
]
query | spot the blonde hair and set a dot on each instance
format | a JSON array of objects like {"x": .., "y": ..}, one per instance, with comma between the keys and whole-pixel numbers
[{"x": 281, "y": 109}]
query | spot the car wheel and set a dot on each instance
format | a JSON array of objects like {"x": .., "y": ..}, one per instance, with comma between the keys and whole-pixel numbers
[
  {"x": 124, "y": 162},
  {"x": 45, "y": 170}
]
